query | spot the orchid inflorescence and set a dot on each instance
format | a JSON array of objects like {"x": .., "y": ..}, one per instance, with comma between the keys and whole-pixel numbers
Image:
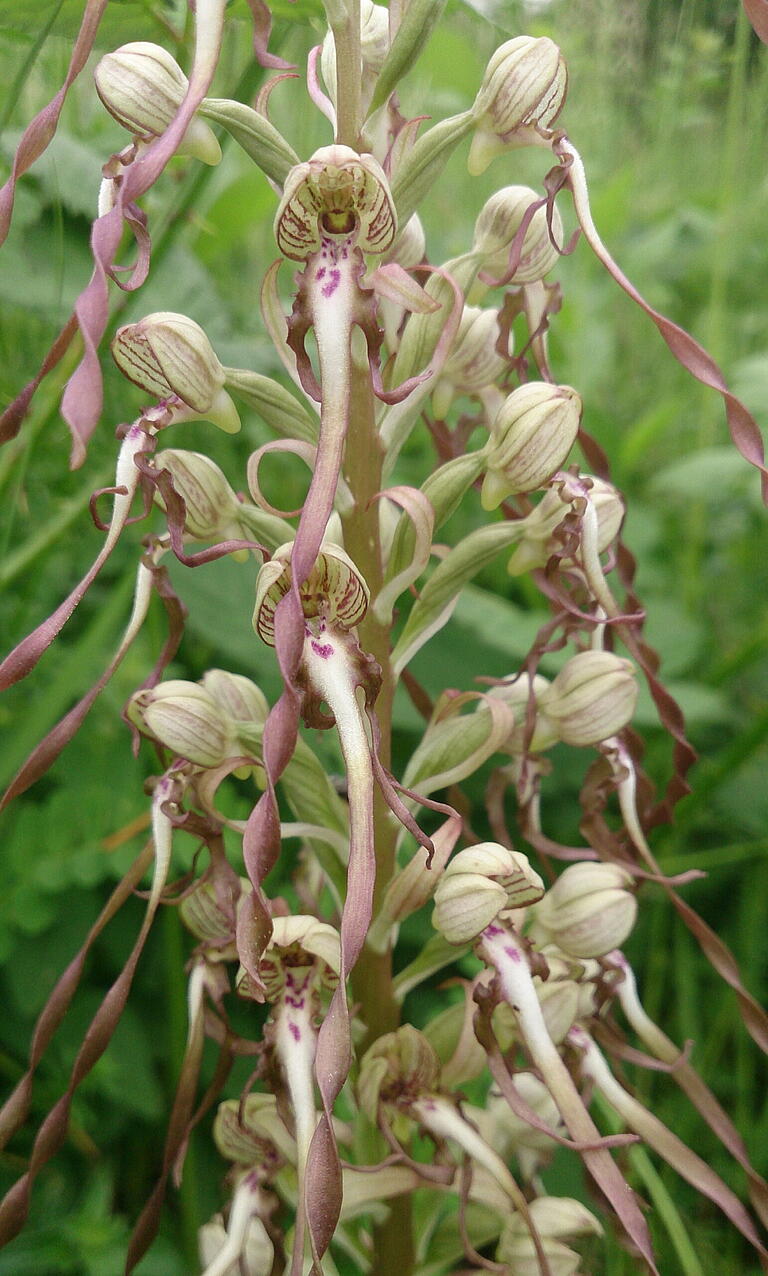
[{"x": 351, "y": 1113}]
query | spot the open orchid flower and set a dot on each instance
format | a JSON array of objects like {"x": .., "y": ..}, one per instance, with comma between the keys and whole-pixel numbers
[
  {"x": 399, "y": 1084},
  {"x": 302, "y": 960},
  {"x": 334, "y": 598},
  {"x": 336, "y": 210},
  {"x": 476, "y": 899}
]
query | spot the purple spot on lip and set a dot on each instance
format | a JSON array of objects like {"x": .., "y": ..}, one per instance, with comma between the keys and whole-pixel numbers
[
  {"x": 320, "y": 273},
  {"x": 514, "y": 954},
  {"x": 322, "y": 649},
  {"x": 295, "y": 1031},
  {"x": 333, "y": 284}
]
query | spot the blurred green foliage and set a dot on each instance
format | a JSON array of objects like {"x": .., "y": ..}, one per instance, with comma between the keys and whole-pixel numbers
[{"x": 668, "y": 103}]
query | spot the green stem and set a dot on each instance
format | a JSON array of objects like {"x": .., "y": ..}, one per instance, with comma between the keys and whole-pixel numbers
[
  {"x": 393, "y": 1244},
  {"x": 176, "y": 1003},
  {"x": 344, "y": 20},
  {"x": 372, "y": 978}
]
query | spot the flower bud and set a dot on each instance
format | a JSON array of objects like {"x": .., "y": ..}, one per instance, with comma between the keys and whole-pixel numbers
[
  {"x": 473, "y": 362},
  {"x": 334, "y": 590},
  {"x": 237, "y": 697},
  {"x": 170, "y": 356},
  {"x": 592, "y": 698},
  {"x": 211, "y": 505},
  {"x": 211, "y": 918},
  {"x": 398, "y": 1068},
  {"x": 559, "y": 1001},
  {"x": 142, "y": 87},
  {"x": 556, "y": 1219},
  {"x": 511, "y": 1133},
  {"x": 410, "y": 246},
  {"x": 531, "y": 437},
  {"x": 521, "y": 95},
  {"x": 477, "y": 885},
  {"x": 497, "y": 225},
  {"x": 185, "y": 718},
  {"x": 300, "y": 940},
  {"x": 259, "y": 1137},
  {"x": 337, "y": 193},
  {"x": 588, "y": 911},
  {"x": 516, "y": 694},
  {"x": 538, "y": 541}
]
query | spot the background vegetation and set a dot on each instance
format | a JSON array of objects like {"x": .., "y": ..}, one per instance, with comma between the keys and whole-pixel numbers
[{"x": 668, "y": 104}]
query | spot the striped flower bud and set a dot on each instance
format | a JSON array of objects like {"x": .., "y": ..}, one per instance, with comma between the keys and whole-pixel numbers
[
  {"x": 237, "y": 697},
  {"x": 210, "y": 917},
  {"x": 474, "y": 361},
  {"x": 142, "y": 87},
  {"x": 589, "y": 910},
  {"x": 531, "y": 437},
  {"x": 334, "y": 590},
  {"x": 592, "y": 698},
  {"x": 477, "y": 885},
  {"x": 521, "y": 95},
  {"x": 499, "y": 222},
  {"x": 516, "y": 693},
  {"x": 185, "y": 718},
  {"x": 335, "y": 194},
  {"x": 398, "y": 1068},
  {"x": 251, "y": 1132},
  {"x": 211, "y": 505},
  {"x": 168, "y": 355}
]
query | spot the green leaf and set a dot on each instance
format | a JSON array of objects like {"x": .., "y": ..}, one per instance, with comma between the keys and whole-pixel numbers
[
  {"x": 438, "y": 598},
  {"x": 413, "y": 33},
  {"x": 435, "y": 955}
]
